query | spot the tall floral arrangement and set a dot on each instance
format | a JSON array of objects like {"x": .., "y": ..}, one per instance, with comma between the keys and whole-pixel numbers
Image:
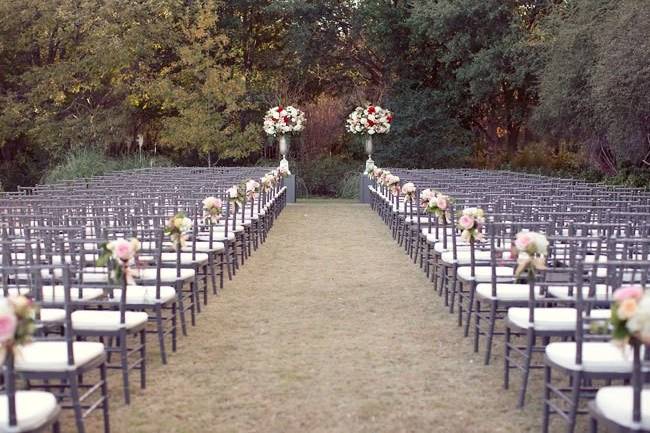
[
  {"x": 370, "y": 120},
  {"x": 282, "y": 120},
  {"x": 530, "y": 249},
  {"x": 470, "y": 222},
  {"x": 177, "y": 228},
  {"x": 17, "y": 323}
]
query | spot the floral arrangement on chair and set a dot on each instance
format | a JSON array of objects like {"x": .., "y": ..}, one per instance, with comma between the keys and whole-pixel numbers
[
  {"x": 438, "y": 205},
  {"x": 426, "y": 195},
  {"x": 370, "y": 120},
  {"x": 375, "y": 173},
  {"x": 383, "y": 177},
  {"x": 283, "y": 172},
  {"x": 177, "y": 228},
  {"x": 120, "y": 252},
  {"x": 530, "y": 249},
  {"x": 17, "y": 324},
  {"x": 470, "y": 222},
  {"x": 252, "y": 189},
  {"x": 284, "y": 120},
  {"x": 268, "y": 181},
  {"x": 236, "y": 196},
  {"x": 630, "y": 317},
  {"x": 409, "y": 189},
  {"x": 392, "y": 182},
  {"x": 212, "y": 209}
]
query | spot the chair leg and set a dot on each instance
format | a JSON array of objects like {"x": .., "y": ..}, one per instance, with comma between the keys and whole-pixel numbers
[
  {"x": 143, "y": 358},
  {"x": 575, "y": 399},
  {"x": 104, "y": 391},
  {"x": 76, "y": 403},
  {"x": 174, "y": 326},
  {"x": 593, "y": 425},
  {"x": 477, "y": 325},
  {"x": 546, "y": 411},
  {"x": 490, "y": 336},
  {"x": 161, "y": 334},
  {"x": 506, "y": 359},
  {"x": 181, "y": 309},
  {"x": 124, "y": 363},
  {"x": 530, "y": 343},
  {"x": 470, "y": 307}
]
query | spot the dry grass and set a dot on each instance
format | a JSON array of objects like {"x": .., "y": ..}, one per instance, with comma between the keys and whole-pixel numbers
[{"x": 329, "y": 328}]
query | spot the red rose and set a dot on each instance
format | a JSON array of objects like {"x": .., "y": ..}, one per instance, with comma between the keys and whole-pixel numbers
[
  {"x": 389, "y": 118},
  {"x": 286, "y": 120},
  {"x": 371, "y": 109},
  {"x": 280, "y": 108},
  {"x": 371, "y": 123}
]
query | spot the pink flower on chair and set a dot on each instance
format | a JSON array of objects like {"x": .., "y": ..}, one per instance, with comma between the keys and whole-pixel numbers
[
  {"x": 8, "y": 322},
  {"x": 123, "y": 250},
  {"x": 628, "y": 292},
  {"x": 466, "y": 222},
  {"x": 442, "y": 202}
]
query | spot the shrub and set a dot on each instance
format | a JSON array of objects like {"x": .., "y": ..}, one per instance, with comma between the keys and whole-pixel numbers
[
  {"x": 328, "y": 176},
  {"x": 86, "y": 162}
]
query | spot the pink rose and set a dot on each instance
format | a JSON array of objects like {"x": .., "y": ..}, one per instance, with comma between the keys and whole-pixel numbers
[
  {"x": 466, "y": 222},
  {"x": 628, "y": 292},
  {"x": 8, "y": 322},
  {"x": 123, "y": 250},
  {"x": 442, "y": 203}
]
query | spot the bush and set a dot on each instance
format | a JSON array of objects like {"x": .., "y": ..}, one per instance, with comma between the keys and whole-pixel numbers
[
  {"x": 86, "y": 162},
  {"x": 328, "y": 176}
]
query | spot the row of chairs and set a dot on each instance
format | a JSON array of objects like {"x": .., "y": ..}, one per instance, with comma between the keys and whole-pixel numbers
[
  {"x": 97, "y": 314},
  {"x": 555, "y": 318}
]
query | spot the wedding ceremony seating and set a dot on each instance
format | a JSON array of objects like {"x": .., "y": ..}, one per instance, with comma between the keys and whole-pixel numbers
[
  {"x": 553, "y": 305},
  {"x": 110, "y": 262}
]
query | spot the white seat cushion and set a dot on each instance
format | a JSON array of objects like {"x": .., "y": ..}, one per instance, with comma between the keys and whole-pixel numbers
[
  {"x": 204, "y": 247},
  {"x": 616, "y": 404},
  {"x": 546, "y": 319},
  {"x": 596, "y": 357},
  {"x": 33, "y": 410},
  {"x": 562, "y": 292},
  {"x": 216, "y": 236},
  {"x": 52, "y": 315},
  {"x": 425, "y": 231},
  {"x": 57, "y": 293},
  {"x": 186, "y": 258},
  {"x": 167, "y": 275},
  {"x": 483, "y": 274},
  {"x": 506, "y": 292},
  {"x": 93, "y": 320},
  {"x": 464, "y": 257},
  {"x": 52, "y": 356},
  {"x": 145, "y": 295}
]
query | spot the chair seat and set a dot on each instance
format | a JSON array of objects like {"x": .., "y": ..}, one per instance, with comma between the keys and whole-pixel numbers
[
  {"x": 483, "y": 274},
  {"x": 52, "y": 356},
  {"x": 167, "y": 275},
  {"x": 93, "y": 320},
  {"x": 616, "y": 403},
  {"x": 186, "y": 258},
  {"x": 56, "y": 294},
  {"x": 546, "y": 319},
  {"x": 204, "y": 247},
  {"x": 464, "y": 257},
  {"x": 34, "y": 410},
  {"x": 439, "y": 247},
  {"x": 52, "y": 315},
  {"x": 425, "y": 230},
  {"x": 507, "y": 292},
  {"x": 597, "y": 357},
  {"x": 602, "y": 292},
  {"x": 145, "y": 295},
  {"x": 217, "y": 236}
]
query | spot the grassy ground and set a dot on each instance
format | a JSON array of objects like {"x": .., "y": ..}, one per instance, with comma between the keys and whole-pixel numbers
[{"x": 328, "y": 328}]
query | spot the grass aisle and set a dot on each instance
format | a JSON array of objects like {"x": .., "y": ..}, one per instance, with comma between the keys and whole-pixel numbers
[{"x": 328, "y": 328}]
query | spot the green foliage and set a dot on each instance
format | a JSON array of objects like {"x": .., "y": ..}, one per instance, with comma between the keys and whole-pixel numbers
[
  {"x": 328, "y": 176},
  {"x": 86, "y": 162}
]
